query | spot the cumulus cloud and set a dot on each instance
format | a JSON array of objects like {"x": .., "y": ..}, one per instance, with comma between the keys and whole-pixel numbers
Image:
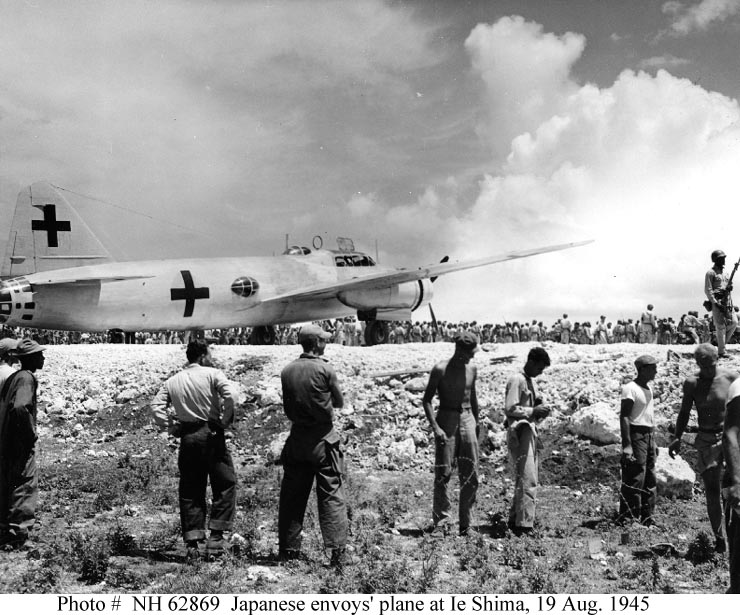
[
  {"x": 526, "y": 73},
  {"x": 700, "y": 16},
  {"x": 645, "y": 166}
]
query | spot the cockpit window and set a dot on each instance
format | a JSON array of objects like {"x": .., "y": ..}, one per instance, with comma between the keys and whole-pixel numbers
[{"x": 354, "y": 260}]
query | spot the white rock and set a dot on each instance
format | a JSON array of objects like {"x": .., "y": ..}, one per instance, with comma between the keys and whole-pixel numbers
[
  {"x": 269, "y": 396},
  {"x": 599, "y": 422},
  {"x": 403, "y": 449},
  {"x": 126, "y": 395},
  {"x": 91, "y": 406},
  {"x": 347, "y": 409},
  {"x": 675, "y": 477},
  {"x": 276, "y": 446},
  {"x": 416, "y": 385}
]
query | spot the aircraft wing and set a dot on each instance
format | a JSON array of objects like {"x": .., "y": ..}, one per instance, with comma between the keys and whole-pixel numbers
[
  {"x": 76, "y": 281},
  {"x": 399, "y": 276}
]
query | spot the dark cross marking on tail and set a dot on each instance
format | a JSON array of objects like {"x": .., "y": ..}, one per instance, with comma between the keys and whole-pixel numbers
[
  {"x": 189, "y": 294},
  {"x": 51, "y": 225}
]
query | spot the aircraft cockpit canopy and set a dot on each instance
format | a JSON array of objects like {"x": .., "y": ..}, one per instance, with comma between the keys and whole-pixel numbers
[{"x": 297, "y": 251}]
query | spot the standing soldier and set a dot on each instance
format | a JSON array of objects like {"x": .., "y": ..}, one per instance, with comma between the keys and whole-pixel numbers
[
  {"x": 310, "y": 393},
  {"x": 203, "y": 403},
  {"x": 455, "y": 430},
  {"x": 708, "y": 391},
  {"x": 524, "y": 408},
  {"x": 19, "y": 490},
  {"x": 718, "y": 289},
  {"x": 639, "y": 450}
]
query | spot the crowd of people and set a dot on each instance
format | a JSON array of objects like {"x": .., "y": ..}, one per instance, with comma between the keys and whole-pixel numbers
[{"x": 689, "y": 329}]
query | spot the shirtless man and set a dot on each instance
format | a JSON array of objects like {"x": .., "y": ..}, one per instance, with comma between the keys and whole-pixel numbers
[
  {"x": 708, "y": 391},
  {"x": 455, "y": 430}
]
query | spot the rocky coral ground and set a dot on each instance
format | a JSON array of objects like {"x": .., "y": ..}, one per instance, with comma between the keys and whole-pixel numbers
[{"x": 108, "y": 514}]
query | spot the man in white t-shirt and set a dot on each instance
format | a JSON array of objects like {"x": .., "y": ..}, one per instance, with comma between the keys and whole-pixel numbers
[
  {"x": 731, "y": 483},
  {"x": 639, "y": 451}
]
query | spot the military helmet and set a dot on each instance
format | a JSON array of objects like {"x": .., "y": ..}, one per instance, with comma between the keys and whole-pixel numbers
[{"x": 717, "y": 254}]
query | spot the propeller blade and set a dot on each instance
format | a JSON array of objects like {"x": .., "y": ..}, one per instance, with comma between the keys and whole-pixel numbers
[
  {"x": 435, "y": 326},
  {"x": 444, "y": 260}
]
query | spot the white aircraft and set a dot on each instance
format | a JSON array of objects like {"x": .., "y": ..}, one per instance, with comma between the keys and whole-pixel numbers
[{"x": 57, "y": 275}]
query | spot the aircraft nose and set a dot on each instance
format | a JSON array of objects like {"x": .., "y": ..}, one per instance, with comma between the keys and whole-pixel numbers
[{"x": 6, "y": 302}]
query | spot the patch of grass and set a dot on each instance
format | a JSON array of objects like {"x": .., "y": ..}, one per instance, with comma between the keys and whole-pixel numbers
[
  {"x": 701, "y": 549},
  {"x": 91, "y": 554}
]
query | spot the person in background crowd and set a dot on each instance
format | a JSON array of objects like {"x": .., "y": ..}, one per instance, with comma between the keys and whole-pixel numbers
[{"x": 647, "y": 326}]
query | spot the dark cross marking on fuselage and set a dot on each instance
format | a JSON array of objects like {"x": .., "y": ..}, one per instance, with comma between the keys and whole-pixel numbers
[
  {"x": 51, "y": 225},
  {"x": 189, "y": 294}
]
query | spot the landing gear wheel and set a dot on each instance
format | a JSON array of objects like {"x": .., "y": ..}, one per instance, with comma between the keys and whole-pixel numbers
[
  {"x": 263, "y": 336},
  {"x": 376, "y": 332}
]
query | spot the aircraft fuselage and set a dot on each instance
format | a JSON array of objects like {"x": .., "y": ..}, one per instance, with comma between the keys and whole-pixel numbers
[{"x": 175, "y": 294}]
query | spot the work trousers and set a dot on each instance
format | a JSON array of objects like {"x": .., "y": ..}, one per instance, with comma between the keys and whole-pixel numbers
[
  {"x": 732, "y": 526},
  {"x": 524, "y": 458},
  {"x": 724, "y": 326},
  {"x": 203, "y": 456},
  {"x": 303, "y": 460},
  {"x": 639, "y": 487},
  {"x": 19, "y": 491},
  {"x": 461, "y": 448}
]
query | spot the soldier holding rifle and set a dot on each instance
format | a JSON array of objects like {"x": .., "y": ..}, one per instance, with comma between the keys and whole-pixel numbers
[{"x": 718, "y": 289}]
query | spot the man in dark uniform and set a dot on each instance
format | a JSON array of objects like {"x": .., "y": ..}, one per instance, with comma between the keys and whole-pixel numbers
[
  {"x": 18, "y": 471},
  {"x": 455, "y": 430},
  {"x": 310, "y": 392}
]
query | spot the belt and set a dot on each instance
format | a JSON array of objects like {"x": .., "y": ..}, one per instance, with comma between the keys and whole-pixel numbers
[
  {"x": 714, "y": 432},
  {"x": 459, "y": 410},
  {"x": 641, "y": 428}
]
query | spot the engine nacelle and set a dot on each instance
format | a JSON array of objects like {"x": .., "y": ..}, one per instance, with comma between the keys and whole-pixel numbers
[{"x": 409, "y": 295}]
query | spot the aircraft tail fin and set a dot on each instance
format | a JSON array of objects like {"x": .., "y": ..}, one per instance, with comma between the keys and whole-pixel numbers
[{"x": 47, "y": 233}]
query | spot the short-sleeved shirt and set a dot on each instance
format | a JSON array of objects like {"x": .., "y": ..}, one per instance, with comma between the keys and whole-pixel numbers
[
  {"x": 521, "y": 392},
  {"x": 197, "y": 393},
  {"x": 642, "y": 414},
  {"x": 307, "y": 400}
]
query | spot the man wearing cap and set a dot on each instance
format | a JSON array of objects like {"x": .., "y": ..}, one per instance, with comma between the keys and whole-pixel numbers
[
  {"x": 524, "y": 409},
  {"x": 7, "y": 346},
  {"x": 310, "y": 393},
  {"x": 707, "y": 390},
  {"x": 18, "y": 472},
  {"x": 455, "y": 431},
  {"x": 717, "y": 288},
  {"x": 639, "y": 451},
  {"x": 197, "y": 405}
]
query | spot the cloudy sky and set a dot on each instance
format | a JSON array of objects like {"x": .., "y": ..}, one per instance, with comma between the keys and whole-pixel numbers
[{"x": 434, "y": 127}]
